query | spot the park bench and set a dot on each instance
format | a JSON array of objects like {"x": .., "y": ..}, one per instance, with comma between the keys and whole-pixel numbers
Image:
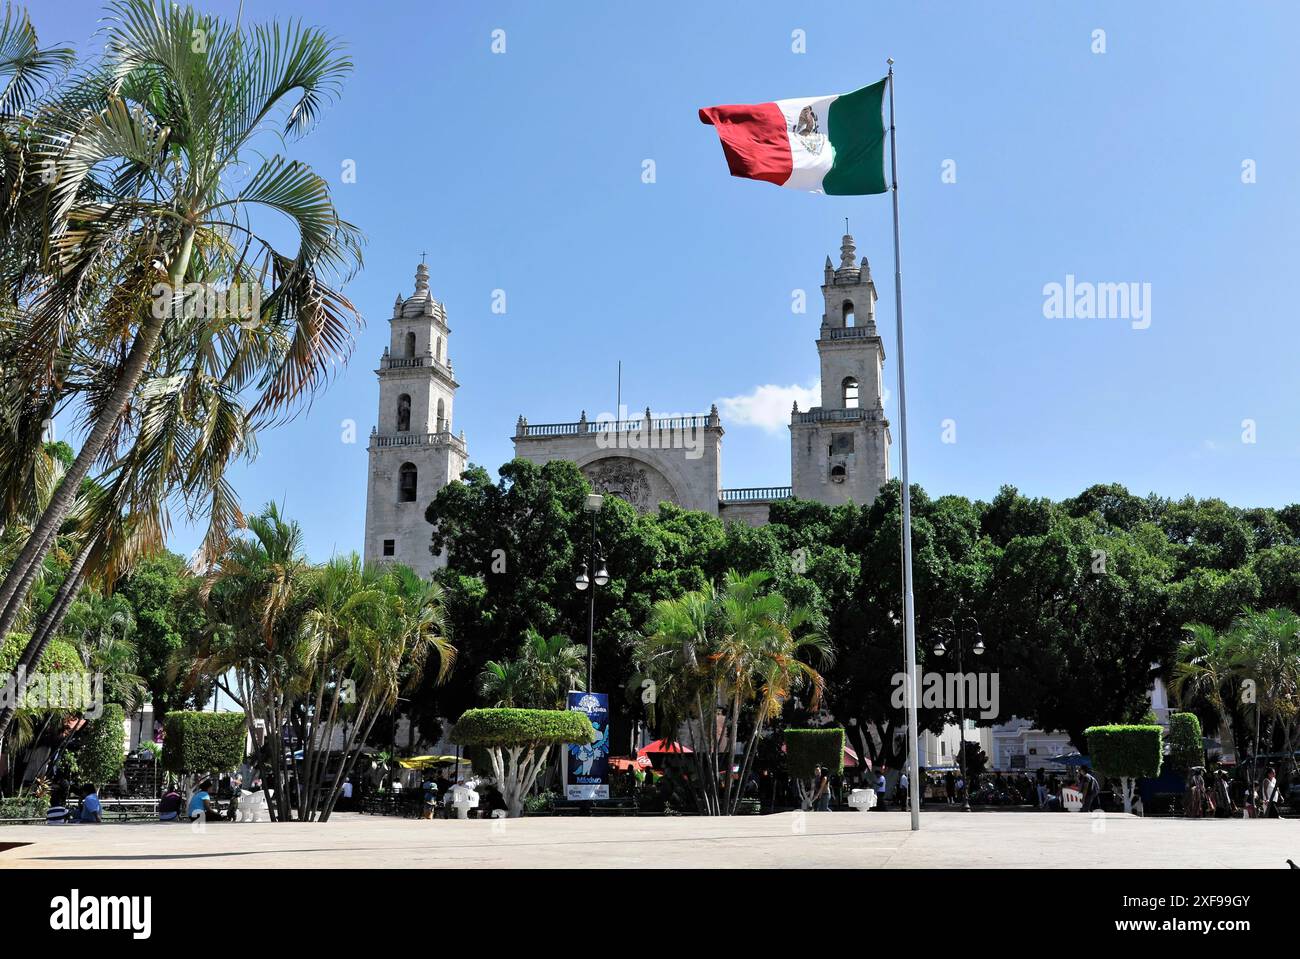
[
  {"x": 622, "y": 806},
  {"x": 126, "y": 810}
]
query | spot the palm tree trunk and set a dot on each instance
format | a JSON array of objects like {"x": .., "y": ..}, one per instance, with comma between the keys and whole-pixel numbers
[
  {"x": 747, "y": 763},
  {"x": 708, "y": 763},
  {"x": 350, "y": 757},
  {"x": 731, "y": 747},
  {"x": 46, "y": 628},
  {"x": 13, "y": 591}
]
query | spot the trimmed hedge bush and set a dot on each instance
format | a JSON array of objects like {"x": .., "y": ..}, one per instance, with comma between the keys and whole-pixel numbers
[
  {"x": 203, "y": 742},
  {"x": 1186, "y": 748},
  {"x": 1125, "y": 751},
  {"x": 806, "y": 749},
  {"x": 24, "y": 807},
  {"x": 522, "y": 727},
  {"x": 101, "y": 754}
]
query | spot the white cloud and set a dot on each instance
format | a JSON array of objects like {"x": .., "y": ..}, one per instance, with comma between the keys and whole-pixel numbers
[{"x": 767, "y": 407}]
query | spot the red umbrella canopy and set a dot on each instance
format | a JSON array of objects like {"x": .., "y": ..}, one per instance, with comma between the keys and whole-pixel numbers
[{"x": 659, "y": 746}]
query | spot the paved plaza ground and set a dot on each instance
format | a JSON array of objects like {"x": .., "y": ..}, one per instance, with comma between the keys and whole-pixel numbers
[{"x": 841, "y": 839}]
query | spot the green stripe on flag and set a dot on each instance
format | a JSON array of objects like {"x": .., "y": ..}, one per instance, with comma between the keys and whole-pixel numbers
[{"x": 856, "y": 128}]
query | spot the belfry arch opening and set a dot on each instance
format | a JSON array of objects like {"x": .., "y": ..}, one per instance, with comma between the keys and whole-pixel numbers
[
  {"x": 407, "y": 481},
  {"x": 849, "y": 392},
  {"x": 849, "y": 314}
]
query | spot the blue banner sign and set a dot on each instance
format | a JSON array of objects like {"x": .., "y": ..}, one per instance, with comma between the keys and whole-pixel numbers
[{"x": 586, "y": 768}]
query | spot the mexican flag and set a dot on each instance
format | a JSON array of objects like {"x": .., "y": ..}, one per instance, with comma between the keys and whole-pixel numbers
[{"x": 833, "y": 144}]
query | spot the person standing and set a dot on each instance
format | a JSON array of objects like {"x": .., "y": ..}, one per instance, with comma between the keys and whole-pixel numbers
[
  {"x": 1224, "y": 807},
  {"x": 1195, "y": 796},
  {"x": 1269, "y": 794},
  {"x": 821, "y": 798},
  {"x": 346, "y": 794},
  {"x": 1091, "y": 790},
  {"x": 882, "y": 789},
  {"x": 903, "y": 785}
]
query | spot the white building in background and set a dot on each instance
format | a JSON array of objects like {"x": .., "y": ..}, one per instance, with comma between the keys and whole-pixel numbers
[{"x": 1016, "y": 744}]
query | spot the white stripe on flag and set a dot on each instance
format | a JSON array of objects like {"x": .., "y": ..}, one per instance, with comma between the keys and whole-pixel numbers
[{"x": 810, "y": 152}]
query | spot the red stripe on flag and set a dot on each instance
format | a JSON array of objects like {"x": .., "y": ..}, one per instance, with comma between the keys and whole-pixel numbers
[{"x": 754, "y": 140}]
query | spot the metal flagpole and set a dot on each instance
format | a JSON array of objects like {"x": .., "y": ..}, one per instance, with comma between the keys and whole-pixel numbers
[{"x": 909, "y": 614}]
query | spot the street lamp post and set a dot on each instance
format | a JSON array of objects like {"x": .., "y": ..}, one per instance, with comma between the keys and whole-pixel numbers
[
  {"x": 599, "y": 577},
  {"x": 978, "y": 649}
]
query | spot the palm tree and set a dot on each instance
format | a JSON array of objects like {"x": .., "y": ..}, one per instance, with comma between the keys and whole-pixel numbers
[
  {"x": 505, "y": 684},
  {"x": 539, "y": 677},
  {"x": 738, "y": 652},
  {"x": 1267, "y": 645},
  {"x": 25, "y": 67},
  {"x": 257, "y": 597},
  {"x": 102, "y": 628},
  {"x": 139, "y": 203},
  {"x": 554, "y": 666},
  {"x": 392, "y": 657},
  {"x": 1203, "y": 673},
  {"x": 1248, "y": 675},
  {"x": 343, "y": 597}
]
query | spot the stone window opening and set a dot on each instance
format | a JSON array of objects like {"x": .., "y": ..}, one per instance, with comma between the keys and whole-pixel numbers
[
  {"x": 404, "y": 413},
  {"x": 390, "y": 547},
  {"x": 847, "y": 311},
  {"x": 849, "y": 390},
  {"x": 406, "y": 483},
  {"x": 410, "y": 345},
  {"x": 838, "y": 473}
]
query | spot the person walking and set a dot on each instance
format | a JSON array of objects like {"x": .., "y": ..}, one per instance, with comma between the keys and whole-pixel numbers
[{"x": 430, "y": 799}]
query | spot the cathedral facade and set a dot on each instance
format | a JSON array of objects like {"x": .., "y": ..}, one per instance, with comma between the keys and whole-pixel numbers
[{"x": 839, "y": 449}]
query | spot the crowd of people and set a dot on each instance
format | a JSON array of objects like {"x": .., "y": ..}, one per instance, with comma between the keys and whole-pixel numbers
[{"x": 1216, "y": 794}]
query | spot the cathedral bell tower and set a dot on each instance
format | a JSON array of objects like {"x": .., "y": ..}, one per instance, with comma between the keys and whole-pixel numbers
[
  {"x": 839, "y": 451},
  {"x": 413, "y": 452}
]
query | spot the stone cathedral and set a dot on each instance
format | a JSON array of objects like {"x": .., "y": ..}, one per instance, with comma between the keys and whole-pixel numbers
[{"x": 839, "y": 450}]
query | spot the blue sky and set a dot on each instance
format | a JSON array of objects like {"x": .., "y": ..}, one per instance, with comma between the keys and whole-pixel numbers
[{"x": 522, "y": 172}]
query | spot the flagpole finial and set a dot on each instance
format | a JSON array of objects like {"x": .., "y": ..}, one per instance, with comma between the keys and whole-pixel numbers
[{"x": 889, "y": 60}]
